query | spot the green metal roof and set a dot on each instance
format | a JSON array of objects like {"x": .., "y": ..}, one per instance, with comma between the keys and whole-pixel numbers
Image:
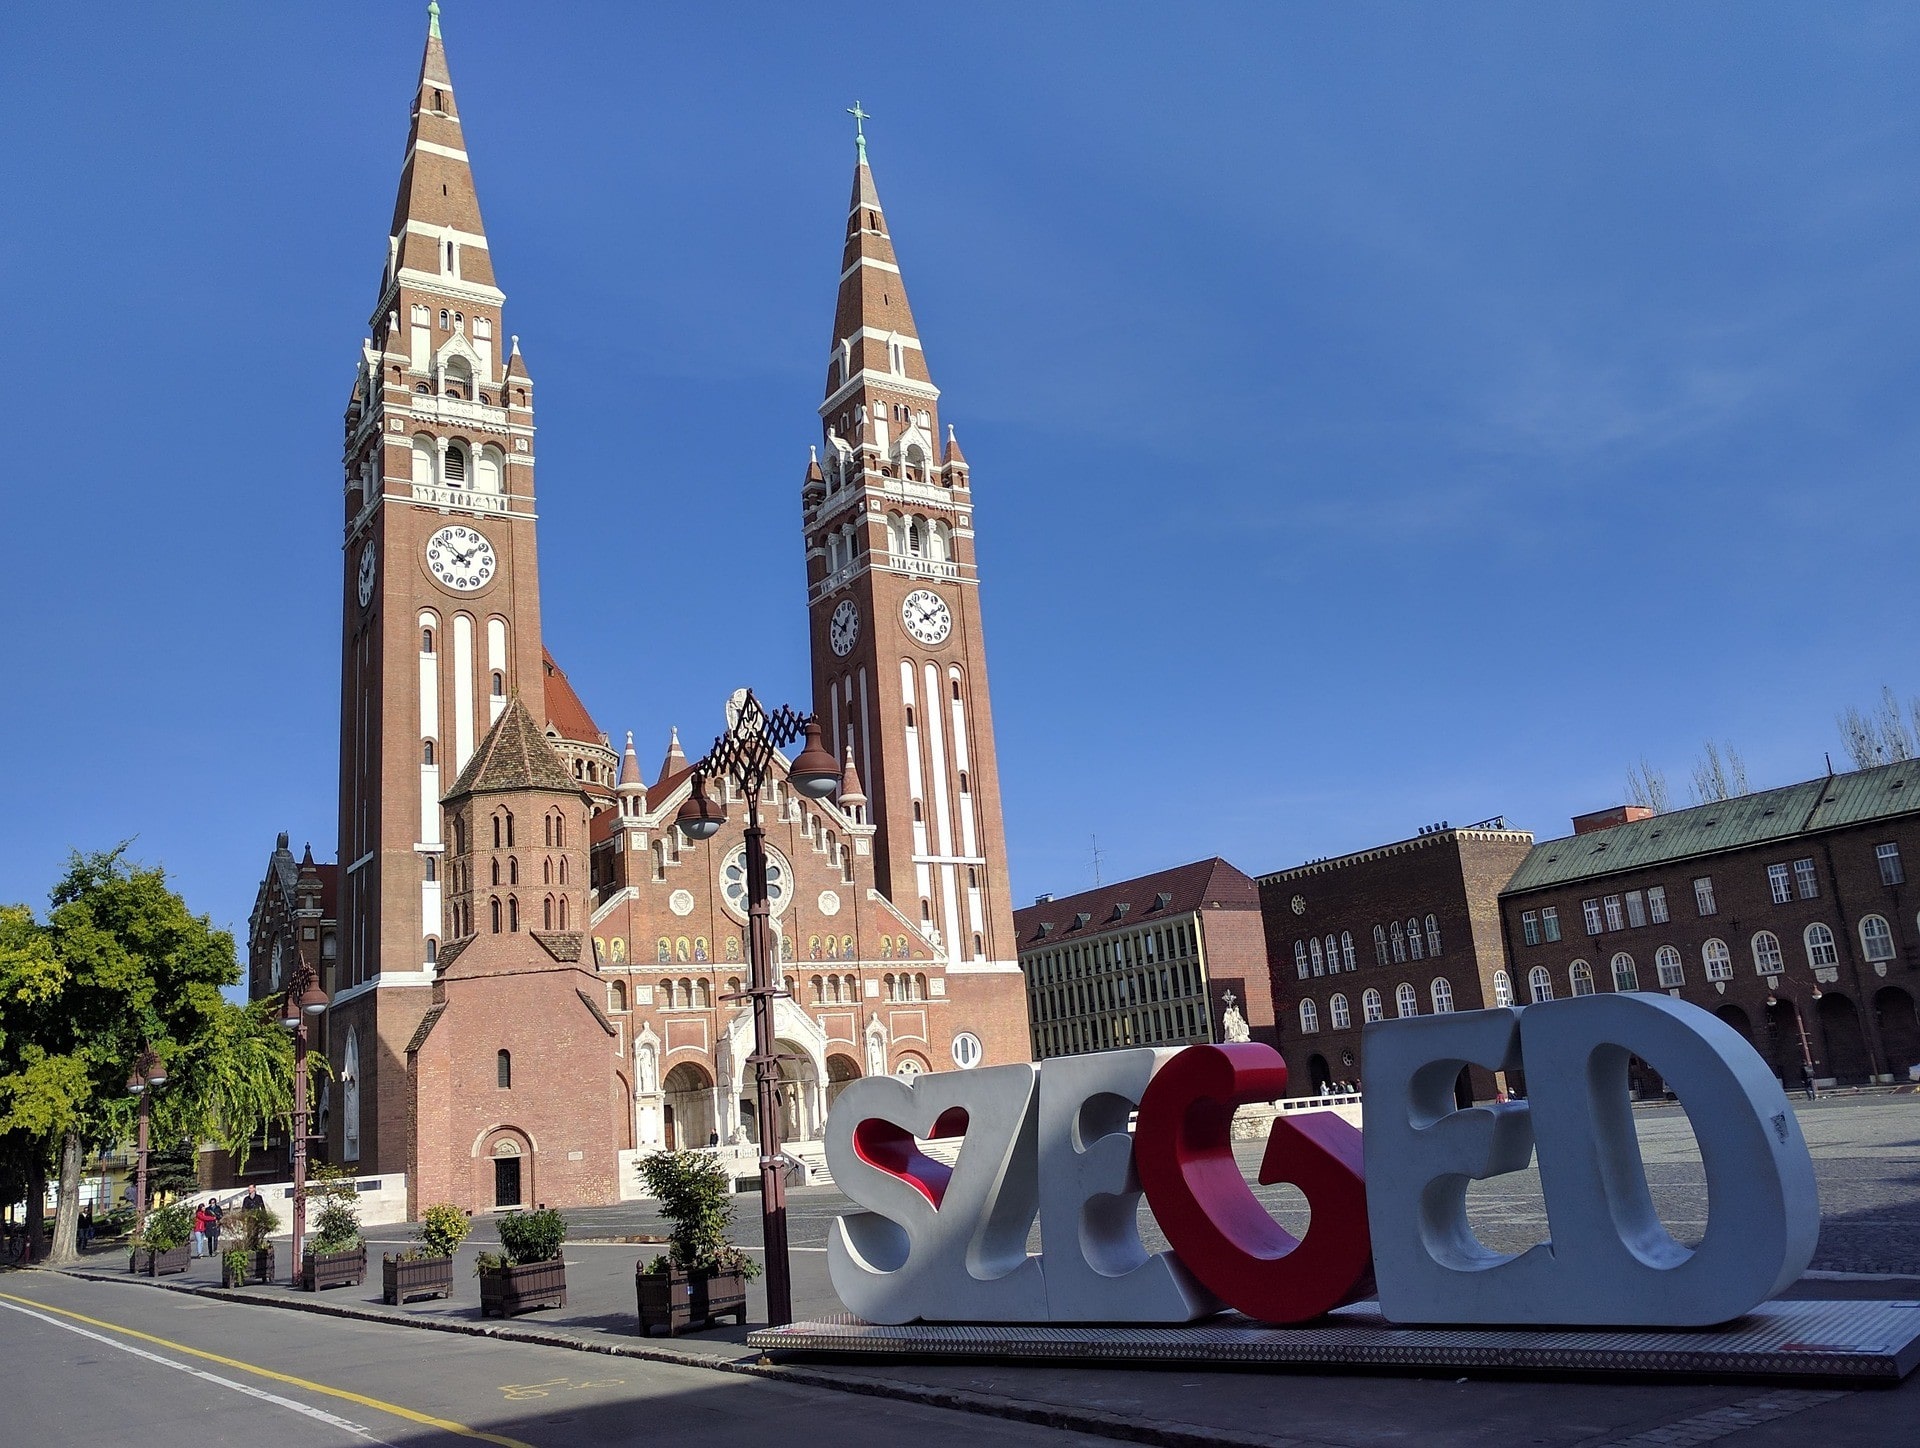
[{"x": 1883, "y": 792}]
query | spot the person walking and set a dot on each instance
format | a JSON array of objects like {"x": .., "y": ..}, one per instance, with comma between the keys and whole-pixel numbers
[
  {"x": 1806, "y": 1080},
  {"x": 253, "y": 1201},
  {"x": 86, "y": 1227},
  {"x": 200, "y": 1230},
  {"x": 214, "y": 1216}
]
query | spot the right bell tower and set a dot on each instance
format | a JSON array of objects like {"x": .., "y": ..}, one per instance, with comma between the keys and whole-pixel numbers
[{"x": 899, "y": 658}]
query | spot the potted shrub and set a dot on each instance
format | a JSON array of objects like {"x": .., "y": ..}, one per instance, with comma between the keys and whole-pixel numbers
[
  {"x": 528, "y": 1271},
  {"x": 165, "y": 1245},
  {"x": 426, "y": 1270},
  {"x": 701, "y": 1277},
  {"x": 336, "y": 1256},
  {"x": 256, "y": 1225},
  {"x": 233, "y": 1267}
]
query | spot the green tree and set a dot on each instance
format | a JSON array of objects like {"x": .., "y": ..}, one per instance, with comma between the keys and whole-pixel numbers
[{"x": 120, "y": 965}]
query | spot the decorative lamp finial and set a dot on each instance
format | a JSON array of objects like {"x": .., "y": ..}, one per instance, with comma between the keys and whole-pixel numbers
[
  {"x": 433, "y": 19},
  {"x": 860, "y": 118}
]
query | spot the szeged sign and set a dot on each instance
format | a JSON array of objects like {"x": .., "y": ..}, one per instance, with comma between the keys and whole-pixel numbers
[{"x": 1388, "y": 1209}]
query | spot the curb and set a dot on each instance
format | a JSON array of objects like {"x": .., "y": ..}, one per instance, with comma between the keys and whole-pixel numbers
[{"x": 1082, "y": 1420}]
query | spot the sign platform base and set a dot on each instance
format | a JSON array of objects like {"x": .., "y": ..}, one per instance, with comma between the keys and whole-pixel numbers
[{"x": 1858, "y": 1342}]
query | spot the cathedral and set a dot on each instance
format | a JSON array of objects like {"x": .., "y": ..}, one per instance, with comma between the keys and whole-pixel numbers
[{"x": 534, "y": 976}]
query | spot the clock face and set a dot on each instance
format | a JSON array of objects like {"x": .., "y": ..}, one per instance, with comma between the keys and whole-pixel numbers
[
  {"x": 844, "y": 627},
  {"x": 926, "y": 616},
  {"x": 461, "y": 558},
  {"x": 369, "y": 568}
]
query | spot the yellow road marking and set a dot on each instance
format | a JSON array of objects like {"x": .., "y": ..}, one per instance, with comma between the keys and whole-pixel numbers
[{"x": 443, "y": 1424}]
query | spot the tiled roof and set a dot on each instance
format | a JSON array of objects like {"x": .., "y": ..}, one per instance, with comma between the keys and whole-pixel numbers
[
  {"x": 565, "y": 712},
  {"x": 514, "y": 755},
  {"x": 1139, "y": 901},
  {"x": 1820, "y": 804}
]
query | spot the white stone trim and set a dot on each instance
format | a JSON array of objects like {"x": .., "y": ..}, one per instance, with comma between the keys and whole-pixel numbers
[
  {"x": 434, "y": 148},
  {"x": 873, "y": 262},
  {"x": 445, "y": 233},
  {"x": 385, "y": 980},
  {"x": 453, "y": 288},
  {"x": 893, "y": 381}
]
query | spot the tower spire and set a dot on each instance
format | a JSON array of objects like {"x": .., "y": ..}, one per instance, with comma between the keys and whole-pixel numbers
[
  {"x": 437, "y": 231},
  {"x": 877, "y": 380}
]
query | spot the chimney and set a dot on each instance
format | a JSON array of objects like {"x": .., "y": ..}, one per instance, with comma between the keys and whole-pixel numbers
[{"x": 1606, "y": 819}]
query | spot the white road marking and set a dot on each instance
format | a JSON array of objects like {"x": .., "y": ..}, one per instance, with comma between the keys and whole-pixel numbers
[{"x": 166, "y": 1362}]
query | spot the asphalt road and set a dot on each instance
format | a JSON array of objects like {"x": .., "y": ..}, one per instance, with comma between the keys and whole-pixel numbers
[{"x": 118, "y": 1363}]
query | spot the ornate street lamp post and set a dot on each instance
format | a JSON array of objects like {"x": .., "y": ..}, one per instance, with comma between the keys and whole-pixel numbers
[
  {"x": 304, "y": 999},
  {"x": 744, "y": 755},
  {"x": 148, "y": 1076}
]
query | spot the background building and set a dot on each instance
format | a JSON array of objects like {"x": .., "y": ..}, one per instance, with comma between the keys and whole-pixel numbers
[
  {"x": 1405, "y": 929},
  {"x": 1786, "y": 912},
  {"x": 1162, "y": 960}
]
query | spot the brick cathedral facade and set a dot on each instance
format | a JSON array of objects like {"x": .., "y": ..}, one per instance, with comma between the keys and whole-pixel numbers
[{"x": 533, "y": 968}]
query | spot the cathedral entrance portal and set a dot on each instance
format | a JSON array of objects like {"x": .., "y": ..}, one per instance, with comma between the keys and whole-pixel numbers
[
  {"x": 840, "y": 1070},
  {"x": 690, "y": 1118}
]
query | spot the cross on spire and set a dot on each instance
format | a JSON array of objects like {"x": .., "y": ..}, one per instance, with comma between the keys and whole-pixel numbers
[{"x": 860, "y": 118}]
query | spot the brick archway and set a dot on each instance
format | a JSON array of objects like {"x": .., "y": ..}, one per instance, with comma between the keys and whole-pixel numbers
[{"x": 505, "y": 1165}]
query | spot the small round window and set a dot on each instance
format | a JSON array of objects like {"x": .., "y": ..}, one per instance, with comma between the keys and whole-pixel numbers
[
  {"x": 966, "y": 1050},
  {"x": 733, "y": 881},
  {"x": 908, "y": 1069}
]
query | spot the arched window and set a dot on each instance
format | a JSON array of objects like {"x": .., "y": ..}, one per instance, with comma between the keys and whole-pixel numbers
[
  {"x": 1502, "y": 988},
  {"x": 494, "y": 868},
  {"x": 1433, "y": 935},
  {"x": 1346, "y": 950},
  {"x": 618, "y": 995},
  {"x": 432, "y": 866},
  {"x": 499, "y": 684},
  {"x": 1337, "y": 1013},
  {"x": 496, "y": 835},
  {"x": 433, "y": 951},
  {"x": 1333, "y": 955},
  {"x": 1406, "y": 1000},
  {"x": 1309, "y": 1018},
  {"x": 426, "y": 640},
  {"x": 563, "y": 912},
  {"x": 1625, "y": 977},
  {"x": 493, "y": 910},
  {"x": 1380, "y": 944},
  {"x": 1820, "y": 951},
  {"x": 503, "y": 1070},
  {"x": 1717, "y": 959},
  {"x": 1414, "y": 947},
  {"x": 426, "y": 751},
  {"x": 1313, "y": 955},
  {"x": 1539, "y": 984},
  {"x": 1441, "y": 989},
  {"x": 513, "y": 912},
  {"x": 1300, "y": 958},
  {"x": 1370, "y": 1008},
  {"x": 1667, "y": 965},
  {"x": 1876, "y": 939},
  {"x": 513, "y": 869},
  {"x": 546, "y": 913},
  {"x": 1580, "y": 978},
  {"x": 1399, "y": 944},
  {"x": 455, "y": 463}
]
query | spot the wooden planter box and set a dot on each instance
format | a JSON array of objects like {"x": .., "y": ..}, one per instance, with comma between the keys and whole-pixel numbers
[
  {"x": 320, "y": 1270},
  {"x": 260, "y": 1269},
  {"x": 159, "y": 1264},
  {"x": 675, "y": 1301},
  {"x": 510, "y": 1291},
  {"x": 403, "y": 1279},
  {"x": 231, "y": 1278}
]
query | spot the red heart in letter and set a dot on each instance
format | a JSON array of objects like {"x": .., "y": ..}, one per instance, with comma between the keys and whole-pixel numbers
[
  {"x": 894, "y": 1150},
  {"x": 1183, "y": 1148}
]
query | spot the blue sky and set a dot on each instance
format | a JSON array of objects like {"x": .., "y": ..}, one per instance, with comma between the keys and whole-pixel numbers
[{"x": 1378, "y": 414}]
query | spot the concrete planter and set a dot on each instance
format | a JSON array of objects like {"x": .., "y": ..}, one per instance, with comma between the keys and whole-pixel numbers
[
  {"x": 159, "y": 1264},
  {"x": 510, "y": 1291},
  {"x": 321, "y": 1270},
  {"x": 674, "y": 1300},
  {"x": 403, "y": 1279}
]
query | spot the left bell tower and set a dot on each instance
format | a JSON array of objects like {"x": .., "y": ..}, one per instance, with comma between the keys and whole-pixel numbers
[{"x": 440, "y": 605}]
